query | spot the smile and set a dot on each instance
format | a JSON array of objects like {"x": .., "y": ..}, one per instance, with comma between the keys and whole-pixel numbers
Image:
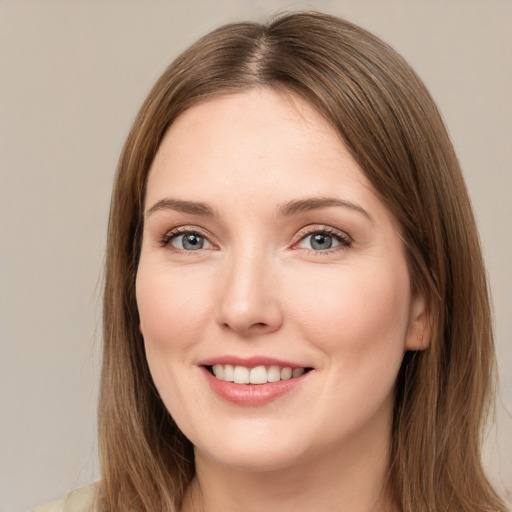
[
  {"x": 255, "y": 375},
  {"x": 254, "y": 384}
]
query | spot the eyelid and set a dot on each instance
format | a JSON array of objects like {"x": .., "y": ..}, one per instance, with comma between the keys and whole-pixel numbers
[
  {"x": 183, "y": 230},
  {"x": 344, "y": 238}
]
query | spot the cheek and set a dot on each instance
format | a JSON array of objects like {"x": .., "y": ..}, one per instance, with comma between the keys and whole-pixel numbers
[
  {"x": 170, "y": 320},
  {"x": 359, "y": 314},
  {"x": 171, "y": 311}
]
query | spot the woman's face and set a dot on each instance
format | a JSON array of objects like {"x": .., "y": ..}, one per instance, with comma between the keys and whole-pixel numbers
[{"x": 266, "y": 252}]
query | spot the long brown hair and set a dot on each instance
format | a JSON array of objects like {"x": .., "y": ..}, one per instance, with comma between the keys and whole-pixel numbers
[{"x": 394, "y": 131}]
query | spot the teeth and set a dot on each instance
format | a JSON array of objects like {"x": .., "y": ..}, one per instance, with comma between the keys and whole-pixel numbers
[
  {"x": 256, "y": 375},
  {"x": 241, "y": 375},
  {"x": 286, "y": 373},
  {"x": 297, "y": 372},
  {"x": 218, "y": 371},
  {"x": 274, "y": 374},
  {"x": 228, "y": 373}
]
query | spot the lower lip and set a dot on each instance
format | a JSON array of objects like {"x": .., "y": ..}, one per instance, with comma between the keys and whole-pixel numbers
[{"x": 253, "y": 394}]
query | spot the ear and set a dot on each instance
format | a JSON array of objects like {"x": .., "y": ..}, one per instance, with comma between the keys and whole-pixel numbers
[{"x": 419, "y": 329}]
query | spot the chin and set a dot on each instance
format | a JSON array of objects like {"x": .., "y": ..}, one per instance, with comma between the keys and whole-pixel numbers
[
  {"x": 257, "y": 461},
  {"x": 260, "y": 453}
]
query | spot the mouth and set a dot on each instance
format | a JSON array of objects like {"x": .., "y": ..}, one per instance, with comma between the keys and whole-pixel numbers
[
  {"x": 262, "y": 374},
  {"x": 254, "y": 381}
]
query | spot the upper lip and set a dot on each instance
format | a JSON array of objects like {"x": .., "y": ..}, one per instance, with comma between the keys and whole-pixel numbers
[{"x": 250, "y": 362}]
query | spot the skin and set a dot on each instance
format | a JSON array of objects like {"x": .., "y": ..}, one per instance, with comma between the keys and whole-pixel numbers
[{"x": 259, "y": 287}]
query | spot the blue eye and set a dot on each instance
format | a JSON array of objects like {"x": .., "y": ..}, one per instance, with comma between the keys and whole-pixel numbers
[
  {"x": 323, "y": 241},
  {"x": 187, "y": 241}
]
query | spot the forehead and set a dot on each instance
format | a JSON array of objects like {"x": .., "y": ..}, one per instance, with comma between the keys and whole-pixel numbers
[
  {"x": 261, "y": 114},
  {"x": 259, "y": 135}
]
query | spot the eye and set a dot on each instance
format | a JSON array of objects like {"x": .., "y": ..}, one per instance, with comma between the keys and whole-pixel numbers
[
  {"x": 324, "y": 240},
  {"x": 186, "y": 240}
]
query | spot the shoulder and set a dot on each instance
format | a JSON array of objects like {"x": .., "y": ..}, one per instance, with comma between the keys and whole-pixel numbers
[{"x": 79, "y": 500}]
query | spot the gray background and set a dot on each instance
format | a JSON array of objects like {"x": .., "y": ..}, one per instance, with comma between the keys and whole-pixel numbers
[{"x": 72, "y": 76}]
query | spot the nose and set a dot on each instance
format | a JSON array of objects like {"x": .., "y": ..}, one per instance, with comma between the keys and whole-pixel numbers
[{"x": 249, "y": 302}]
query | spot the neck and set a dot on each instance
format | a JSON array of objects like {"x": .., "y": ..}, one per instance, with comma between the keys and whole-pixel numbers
[{"x": 349, "y": 480}]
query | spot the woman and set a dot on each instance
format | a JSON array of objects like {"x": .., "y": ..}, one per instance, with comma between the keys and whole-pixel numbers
[{"x": 296, "y": 313}]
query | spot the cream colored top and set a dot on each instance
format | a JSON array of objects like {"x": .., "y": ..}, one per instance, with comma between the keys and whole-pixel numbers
[{"x": 79, "y": 500}]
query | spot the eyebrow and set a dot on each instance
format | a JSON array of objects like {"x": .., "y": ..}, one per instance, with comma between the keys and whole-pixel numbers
[
  {"x": 193, "y": 207},
  {"x": 287, "y": 209},
  {"x": 316, "y": 203}
]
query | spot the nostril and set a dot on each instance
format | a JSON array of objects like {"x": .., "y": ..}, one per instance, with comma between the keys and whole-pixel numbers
[{"x": 257, "y": 325}]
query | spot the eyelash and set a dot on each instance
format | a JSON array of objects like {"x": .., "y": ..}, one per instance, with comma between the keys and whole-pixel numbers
[
  {"x": 344, "y": 240},
  {"x": 184, "y": 230}
]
